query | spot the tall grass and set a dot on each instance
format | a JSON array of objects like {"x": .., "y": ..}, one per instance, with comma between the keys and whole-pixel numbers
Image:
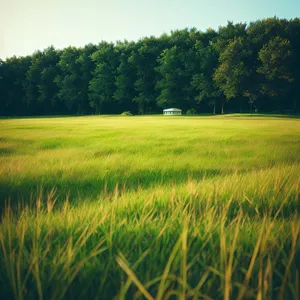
[{"x": 211, "y": 212}]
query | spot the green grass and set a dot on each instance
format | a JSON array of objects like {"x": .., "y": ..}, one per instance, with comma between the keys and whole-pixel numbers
[{"x": 150, "y": 207}]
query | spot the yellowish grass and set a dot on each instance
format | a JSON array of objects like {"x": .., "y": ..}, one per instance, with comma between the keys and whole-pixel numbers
[{"x": 149, "y": 207}]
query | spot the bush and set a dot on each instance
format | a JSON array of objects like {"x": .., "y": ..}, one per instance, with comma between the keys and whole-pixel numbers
[
  {"x": 191, "y": 111},
  {"x": 126, "y": 113}
]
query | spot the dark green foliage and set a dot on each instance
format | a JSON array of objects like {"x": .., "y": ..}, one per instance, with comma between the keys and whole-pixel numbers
[
  {"x": 177, "y": 66},
  {"x": 125, "y": 78},
  {"x": 276, "y": 57},
  {"x": 72, "y": 80},
  {"x": 191, "y": 111},
  {"x": 13, "y": 76},
  {"x": 207, "y": 90},
  {"x": 144, "y": 58},
  {"x": 41, "y": 89},
  {"x": 252, "y": 66},
  {"x": 102, "y": 85}
]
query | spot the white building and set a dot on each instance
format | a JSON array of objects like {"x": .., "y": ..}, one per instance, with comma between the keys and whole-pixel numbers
[{"x": 172, "y": 111}]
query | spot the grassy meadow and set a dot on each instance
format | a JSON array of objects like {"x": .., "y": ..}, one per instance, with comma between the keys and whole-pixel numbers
[{"x": 150, "y": 207}]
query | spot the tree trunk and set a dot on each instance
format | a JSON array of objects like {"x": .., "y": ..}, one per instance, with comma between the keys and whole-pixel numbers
[
  {"x": 97, "y": 112},
  {"x": 295, "y": 105},
  {"x": 214, "y": 109},
  {"x": 79, "y": 109},
  {"x": 222, "y": 107},
  {"x": 141, "y": 108}
]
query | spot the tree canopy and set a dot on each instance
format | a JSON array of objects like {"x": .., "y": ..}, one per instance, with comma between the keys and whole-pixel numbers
[{"x": 232, "y": 69}]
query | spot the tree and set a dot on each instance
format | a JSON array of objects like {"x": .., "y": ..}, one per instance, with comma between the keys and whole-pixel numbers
[
  {"x": 232, "y": 74},
  {"x": 13, "y": 77},
  {"x": 102, "y": 86},
  {"x": 169, "y": 86},
  {"x": 258, "y": 34},
  {"x": 70, "y": 81},
  {"x": 86, "y": 68},
  {"x": 208, "y": 93},
  {"x": 293, "y": 33},
  {"x": 2, "y": 88},
  {"x": 40, "y": 87},
  {"x": 126, "y": 76},
  {"x": 177, "y": 66},
  {"x": 256, "y": 64},
  {"x": 276, "y": 58},
  {"x": 144, "y": 58}
]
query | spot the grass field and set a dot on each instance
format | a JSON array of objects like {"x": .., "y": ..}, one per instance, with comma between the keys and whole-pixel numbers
[{"x": 150, "y": 207}]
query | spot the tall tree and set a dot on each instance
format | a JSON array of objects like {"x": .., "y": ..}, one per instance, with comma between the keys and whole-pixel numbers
[
  {"x": 259, "y": 33},
  {"x": 169, "y": 86},
  {"x": 102, "y": 86},
  {"x": 69, "y": 81},
  {"x": 293, "y": 33},
  {"x": 13, "y": 77},
  {"x": 207, "y": 91},
  {"x": 145, "y": 61},
  {"x": 41, "y": 90},
  {"x": 126, "y": 76},
  {"x": 86, "y": 69},
  {"x": 2, "y": 88},
  {"x": 276, "y": 58},
  {"x": 177, "y": 66},
  {"x": 251, "y": 64},
  {"x": 232, "y": 73}
]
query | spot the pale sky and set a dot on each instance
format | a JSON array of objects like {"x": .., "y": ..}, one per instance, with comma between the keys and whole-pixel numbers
[{"x": 29, "y": 25}]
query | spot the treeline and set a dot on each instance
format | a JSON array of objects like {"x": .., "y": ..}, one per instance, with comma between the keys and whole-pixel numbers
[{"x": 238, "y": 68}]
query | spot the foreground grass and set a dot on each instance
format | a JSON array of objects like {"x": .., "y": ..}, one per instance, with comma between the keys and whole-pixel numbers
[{"x": 149, "y": 207}]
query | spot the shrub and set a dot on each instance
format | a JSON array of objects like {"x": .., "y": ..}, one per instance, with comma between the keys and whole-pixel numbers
[
  {"x": 191, "y": 111},
  {"x": 126, "y": 113}
]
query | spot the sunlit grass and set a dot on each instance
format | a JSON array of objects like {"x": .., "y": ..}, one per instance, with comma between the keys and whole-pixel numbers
[{"x": 150, "y": 207}]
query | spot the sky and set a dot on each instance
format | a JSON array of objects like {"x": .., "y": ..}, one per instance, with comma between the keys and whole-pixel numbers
[{"x": 30, "y": 25}]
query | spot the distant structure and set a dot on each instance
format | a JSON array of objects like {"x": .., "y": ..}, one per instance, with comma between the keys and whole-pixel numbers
[{"x": 172, "y": 111}]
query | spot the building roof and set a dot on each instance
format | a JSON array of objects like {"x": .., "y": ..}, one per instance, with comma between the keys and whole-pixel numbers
[{"x": 172, "y": 109}]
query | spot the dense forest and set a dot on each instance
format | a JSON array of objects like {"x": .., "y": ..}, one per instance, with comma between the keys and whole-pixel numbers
[{"x": 237, "y": 68}]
